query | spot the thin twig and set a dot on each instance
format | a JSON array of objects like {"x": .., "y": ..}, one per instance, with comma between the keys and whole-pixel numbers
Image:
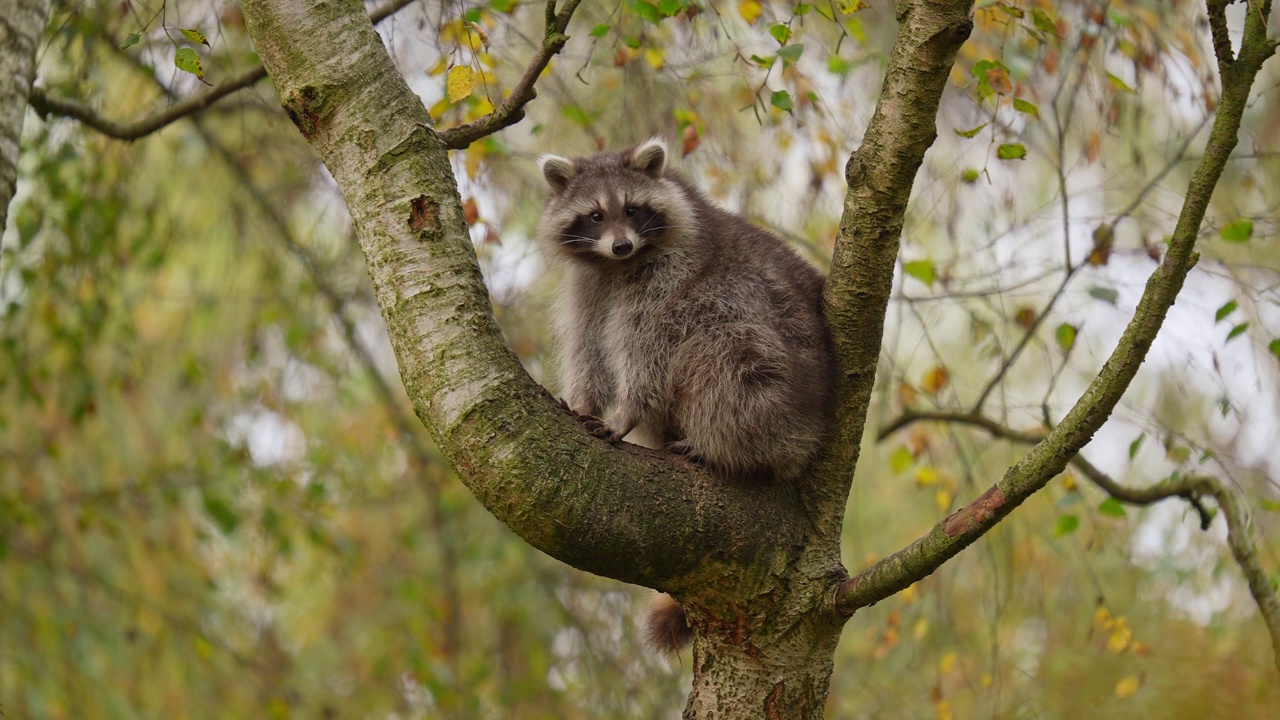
[
  {"x": 511, "y": 110},
  {"x": 45, "y": 104},
  {"x": 1190, "y": 488}
]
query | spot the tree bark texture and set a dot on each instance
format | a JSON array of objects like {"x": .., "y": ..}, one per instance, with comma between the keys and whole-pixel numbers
[{"x": 21, "y": 24}]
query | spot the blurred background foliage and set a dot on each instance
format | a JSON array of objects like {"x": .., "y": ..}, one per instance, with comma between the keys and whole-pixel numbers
[{"x": 215, "y": 501}]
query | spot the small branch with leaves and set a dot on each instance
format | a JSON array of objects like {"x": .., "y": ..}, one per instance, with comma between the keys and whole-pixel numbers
[{"x": 511, "y": 110}]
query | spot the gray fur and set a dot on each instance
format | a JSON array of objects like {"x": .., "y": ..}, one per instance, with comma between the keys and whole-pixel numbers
[{"x": 702, "y": 332}]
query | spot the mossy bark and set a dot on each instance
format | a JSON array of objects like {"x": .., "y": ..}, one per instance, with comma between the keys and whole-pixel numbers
[{"x": 21, "y": 25}]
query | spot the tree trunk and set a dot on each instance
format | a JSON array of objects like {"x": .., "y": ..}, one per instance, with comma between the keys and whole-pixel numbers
[{"x": 21, "y": 24}]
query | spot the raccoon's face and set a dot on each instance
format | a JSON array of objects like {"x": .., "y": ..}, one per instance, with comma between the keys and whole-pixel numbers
[
  {"x": 613, "y": 206},
  {"x": 616, "y": 227}
]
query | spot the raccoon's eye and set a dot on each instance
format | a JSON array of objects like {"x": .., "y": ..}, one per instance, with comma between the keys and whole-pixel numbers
[
  {"x": 597, "y": 216},
  {"x": 631, "y": 211}
]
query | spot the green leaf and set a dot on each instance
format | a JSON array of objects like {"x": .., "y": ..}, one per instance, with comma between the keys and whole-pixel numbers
[
  {"x": 193, "y": 36},
  {"x": 1106, "y": 295},
  {"x": 781, "y": 100},
  {"x": 1269, "y": 505},
  {"x": 1237, "y": 231},
  {"x": 921, "y": 270},
  {"x": 1135, "y": 445},
  {"x": 1111, "y": 507},
  {"x": 780, "y": 32},
  {"x": 971, "y": 132},
  {"x": 576, "y": 114},
  {"x": 1237, "y": 331},
  {"x": 900, "y": 460},
  {"x": 1011, "y": 151},
  {"x": 632, "y": 42},
  {"x": 130, "y": 40},
  {"x": 802, "y": 9},
  {"x": 1025, "y": 106},
  {"x": 1274, "y": 347},
  {"x": 600, "y": 31},
  {"x": 668, "y": 7},
  {"x": 187, "y": 60},
  {"x": 1043, "y": 22},
  {"x": 837, "y": 65},
  {"x": 1066, "y": 336},
  {"x": 970, "y": 176},
  {"x": 1119, "y": 84},
  {"x": 648, "y": 11},
  {"x": 791, "y": 53},
  {"x": 1066, "y": 525},
  {"x": 504, "y": 6},
  {"x": 226, "y": 519},
  {"x": 1227, "y": 308},
  {"x": 763, "y": 61}
]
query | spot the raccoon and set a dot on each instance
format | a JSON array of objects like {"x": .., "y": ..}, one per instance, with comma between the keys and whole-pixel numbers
[{"x": 702, "y": 332}]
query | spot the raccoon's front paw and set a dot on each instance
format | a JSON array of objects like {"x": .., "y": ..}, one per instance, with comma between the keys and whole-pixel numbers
[
  {"x": 685, "y": 451},
  {"x": 593, "y": 424}
]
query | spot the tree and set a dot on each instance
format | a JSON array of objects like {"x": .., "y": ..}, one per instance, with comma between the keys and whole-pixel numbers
[{"x": 759, "y": 569}]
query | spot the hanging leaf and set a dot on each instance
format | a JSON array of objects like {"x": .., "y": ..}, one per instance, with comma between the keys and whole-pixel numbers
[
  {"x": 848, "y": 7},
  {"x": 187, "y": 60},
  {"x": 1026, "y": 107},
  {"x": 459, "y": 83},
  {"x": 193, "y": 36},
  {"x": 1237, "y": 231},
  {"x": 130, "y": 40},
  {"x": 1106, "y": 295},
  {"x": 749, "y": 10},
  {"x": 1135, "y": 445},
  {"x": 1066, "y": 525},
  {"x": 970, "y": 176},
  {"x": 791, "y": 53},
  {"x": 970, "y": 133},
  {"x": 1043, "y": 22},
  {"x": 1128, "y": 687},
  {"x": 1112, "y": 507},
  {"x": 1066, "y": 336},
  {"x": 781, "y": 100},
  {"x": 780, "y": 32},
  {"x": 1237, "y": 331},
  {"x": 1274, "y": 347},
  {"x": 648, "y": 11},
  {"x": 599, "y": 31},
  {"x": 921, "y": 270},
  {"x": 1011, "y": 151},
  {"x": 935, "y": 380},
  {"x": 1226, "y": 309},
  {"x": 900, "y": 460}
]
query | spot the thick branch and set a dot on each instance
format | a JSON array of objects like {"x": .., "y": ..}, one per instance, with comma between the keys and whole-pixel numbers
[
  {"x": 880, "y": 174},
  {"x": 617, "y": 511},
  {"x": 45, "y": 104},
  {"x": 1051, "y": 455},
  {"x": 512, "y": 109},
  {"x": 21, "y": 23}
]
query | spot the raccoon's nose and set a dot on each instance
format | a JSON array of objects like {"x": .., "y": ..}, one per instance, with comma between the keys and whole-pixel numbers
[{"x": 621, "y": 248}]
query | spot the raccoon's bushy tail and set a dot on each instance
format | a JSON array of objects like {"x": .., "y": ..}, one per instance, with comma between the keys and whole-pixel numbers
[{"x": 666, "y": 629}]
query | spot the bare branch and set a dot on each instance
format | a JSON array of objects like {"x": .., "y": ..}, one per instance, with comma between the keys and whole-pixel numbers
[
  {"x": 512, "y": 109},
  {"x": 1191, "y": 488},
  {"x": 1051, "y": 455},
  {"x": 45, "y": 104}
]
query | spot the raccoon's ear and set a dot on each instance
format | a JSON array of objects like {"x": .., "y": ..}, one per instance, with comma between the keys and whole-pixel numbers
[
  {"x": 557, "y": 170},
  {"x": 650, "y": 157}
]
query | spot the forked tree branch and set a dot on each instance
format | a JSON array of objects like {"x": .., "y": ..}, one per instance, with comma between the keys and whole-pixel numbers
[
  {"x": 1051, "y": 455},
  {"x": 1190, "y": 488}
]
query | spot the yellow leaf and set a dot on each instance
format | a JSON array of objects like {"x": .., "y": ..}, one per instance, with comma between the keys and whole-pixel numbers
[
  {"x": 986, "y": 679},
  {"x": 943, "y": 498},
  {"x": 749, "y": 10},
  {"x": 460, "y": 82},
  {"x": 948, "y": 661},
  {"x": 920, "y": 629},
  {"x": 1102, "y": 617},
  {"x": 655, "y": 58},
  {"x": 910, "y": 594},
  {"x": 1128, "y": 686},
  {"x": 1069, "y": 482},
  {"x": 944, "y": 710},
  {"x": 935, "y": 380},
  {"x": 1121, "y": 637},
  {"x": 848, "y": 7},
  {"x": 926, "y": 476}
]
